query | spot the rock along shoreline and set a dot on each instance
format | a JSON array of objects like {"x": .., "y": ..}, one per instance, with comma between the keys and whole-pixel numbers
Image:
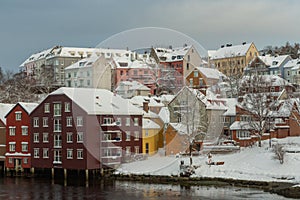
[{"x": 281, "y": 188}]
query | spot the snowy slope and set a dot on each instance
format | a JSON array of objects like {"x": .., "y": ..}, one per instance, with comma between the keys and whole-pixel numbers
[{"x": 252, "y": 163}]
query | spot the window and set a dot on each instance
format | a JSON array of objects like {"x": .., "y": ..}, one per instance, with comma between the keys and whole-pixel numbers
[
  {"x": 146, "y": 133},
  {"x": 24, "y": 146},
  {"x": 187, "y": 66},
  {"x": 106, "y": 137},
  {"x": 10, "y": 160},
  {"x": 12, "y": 130},
  {"x": 45, "y": 121},
  {"x": 67, "y": 107},
  {"x": 18, "y": 115},
  {"x": 245, "y": 118},
  {"x": 69, "y": 153},
  {"x": 47, "y": 108},
  {"x": 79, "y": 121},
  {"x": 24, "y": 130},
  {"x": 36, "y": 122},
  {"x": 57, "y": 109},
  {"x": 136, "y": 121},
  {"x": 195, "y": 73},
  {"x": 57, "y": 156},
  {"x": 45, "y": 153},
  {"x": 12, "y": 146},
  {"x": 136, "y": 135},
  {"x": 127, "y": 121},
  {"x": 57, "y": 141},
  {"x": 69, "y": 137},
  {"x": 35, "y": 137},
  {"x": 107, "y": 152},
  {"x": 69, "y": 121},
  {"x": 272, "y": 89},
  {"x": 36, "y": 153},
  {"x": 127, "y": 135},
  {"x": 79, "y": 137},
  {"x": 107, "y": 120},
  {"x": 191, "y": 82},
  {"x": 136, "y": 150},
  {"x": 57, "y": 125},
  {"x": 243, "y": 134},
  {"x": 25, "y": 160},
  {"x": 45, "y": 137},
  {"x": 79, "y": 154},
  {"x": 88, "y": 82}
]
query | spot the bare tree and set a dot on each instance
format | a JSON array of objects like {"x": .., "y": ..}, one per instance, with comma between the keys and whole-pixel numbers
[
  {"x": 258, "y": 102},
  {"x": 190, "y": 111}
]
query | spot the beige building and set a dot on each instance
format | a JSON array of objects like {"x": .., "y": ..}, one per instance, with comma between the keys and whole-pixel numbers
[{"x": 232, "y": 60}]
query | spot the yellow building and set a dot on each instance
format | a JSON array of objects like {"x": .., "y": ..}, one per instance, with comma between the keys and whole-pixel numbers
[
  {"x": 231, "y": 60},
  {"x": 152, "y": 136}
]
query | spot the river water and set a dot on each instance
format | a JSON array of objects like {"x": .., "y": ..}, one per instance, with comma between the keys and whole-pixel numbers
[{"x": 29, "y": 188}]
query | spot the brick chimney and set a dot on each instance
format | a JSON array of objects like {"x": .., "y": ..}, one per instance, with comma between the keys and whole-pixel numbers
[{"x": 146, "y": 106}]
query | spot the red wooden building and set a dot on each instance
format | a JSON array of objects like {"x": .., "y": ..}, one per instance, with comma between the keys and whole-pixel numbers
[{"x": 18, "y": 156}]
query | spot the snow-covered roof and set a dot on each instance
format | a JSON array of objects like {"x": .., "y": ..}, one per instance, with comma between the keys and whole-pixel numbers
[
  {"x": 274, "y": 61},
  {"x": 153, "y": 101},
  {"x": 241, "y": 125},
  {"x": 149, "y": 124},
  {"x": 231, "y": 106},
  {"x": 171, "y": 55},
  {"x": 4, "y": 109},
  {"x": 132, "y": 85},
  {"x": 99, "y": 101},
  {"x": 293, "y": 64},
  {"x": 164, "y": 114},
  {"x": 210, "y": 73},
  {"x": 274, "y": 80},
  {"x": 231, "y": 51},
  {"x": 28, "y": 107},
  {"x": 180, "y": 128}
]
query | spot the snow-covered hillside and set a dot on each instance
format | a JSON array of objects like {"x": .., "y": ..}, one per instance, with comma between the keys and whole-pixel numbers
[{"x": 252, "y": 163}]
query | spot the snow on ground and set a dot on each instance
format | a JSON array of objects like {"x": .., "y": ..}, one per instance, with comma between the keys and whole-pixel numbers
[{"x": 251, "y": 163}]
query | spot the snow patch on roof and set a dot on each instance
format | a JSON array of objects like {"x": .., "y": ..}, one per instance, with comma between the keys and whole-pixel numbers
[
  {"x": 4, "y": 109},
  {"x": 149, "y": 124}
]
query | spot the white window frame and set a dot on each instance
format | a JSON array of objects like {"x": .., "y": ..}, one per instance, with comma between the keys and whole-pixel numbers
[
  {"x": 24, "y": 130},
  {"x": 128, "y": 121},
  {"x": 136, "y": 121},
  {"x": 67, "y": 107},
  {"x": 35, "y": 122},
  {"x": 69, "y": 153},
  {"x": 45, "y": 137},
  {"x": 69, "y": 121},
  {"x": 79, "y": 137},
  {"x": 36, "y": 138},
  {"x": 80, "y": 154},
  {"x": 45, "y": 122},
  {"x": 128, "y": 136},
  {"x": 12, "y": 146},
  {"x": 18, "y": 115},
  {"x": 45, "y": 153},
  {"x": 24, "y": 146},
  {"x": 12, "y": 130},
  {"x": 136, "y": 135},
  {"x": 57, "y": 125},
  {"x": 36, "y": 153},
  {"x": 57, "y": 109},
  {"x": 79, "y": 121},
  {"x": 69, "y": 137},
  {"x": 47, "y": 108}
]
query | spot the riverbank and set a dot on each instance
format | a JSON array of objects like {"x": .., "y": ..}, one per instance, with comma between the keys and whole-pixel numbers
[{"x": 285, "y": 189}]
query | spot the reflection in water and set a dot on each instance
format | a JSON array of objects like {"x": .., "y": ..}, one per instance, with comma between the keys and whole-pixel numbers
[{"x": 22, "y": 188}]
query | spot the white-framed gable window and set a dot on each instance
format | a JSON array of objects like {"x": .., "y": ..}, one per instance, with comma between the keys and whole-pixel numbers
[
  {"x": 57, "y": 109},
  {"x": 46, "y": 108},
  {"x": 69, "y": 137},
  {"x": 18, "y": 115},
  {"x": 69, "y": 121},
  {"x": 80, "y": 137},
  {"x": 79, "y": 153},
  {"x": 69, "y": 153}
]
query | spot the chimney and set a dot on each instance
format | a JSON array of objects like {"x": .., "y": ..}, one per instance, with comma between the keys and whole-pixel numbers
[
  {"x": 146, "y": 106},
  {"x": 222, "y": 46},
  {"x": 244, "y": 43}
]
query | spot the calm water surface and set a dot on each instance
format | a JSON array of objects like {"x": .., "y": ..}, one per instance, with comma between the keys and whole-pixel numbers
[{"x": 22, "y": 188}]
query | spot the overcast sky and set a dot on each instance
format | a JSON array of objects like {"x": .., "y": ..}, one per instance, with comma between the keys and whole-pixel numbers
[{"x": 29, "y": 26}]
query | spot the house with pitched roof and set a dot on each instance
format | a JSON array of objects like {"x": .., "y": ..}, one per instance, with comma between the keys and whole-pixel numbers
[
  {"x": 18, "y": 138},
  {"x": 129, "y": 89},
  {"x": 231, "y": 60},
  {"x": 291, "y": 71},
  {"x": 87, "y": 130},
  {"x": 4, "y": 109}
]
